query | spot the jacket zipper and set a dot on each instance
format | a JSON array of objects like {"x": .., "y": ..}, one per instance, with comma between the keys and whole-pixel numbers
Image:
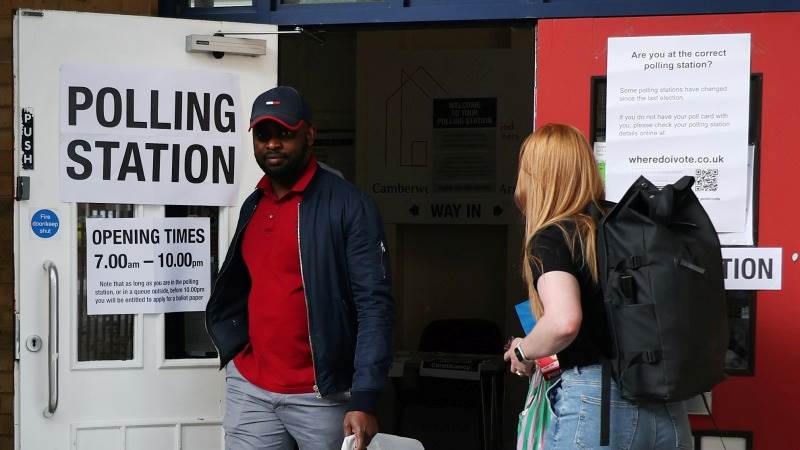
[
  {"x": 235, "y": 241},
  {"x": 383, "y": 254},
  {"x": 305, "y": 298}
]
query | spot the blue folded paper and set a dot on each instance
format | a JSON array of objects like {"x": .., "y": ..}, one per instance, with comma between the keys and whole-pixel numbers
[{"x": 525, "y": 315}]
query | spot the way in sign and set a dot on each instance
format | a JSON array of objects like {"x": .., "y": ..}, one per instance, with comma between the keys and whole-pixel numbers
[{"x": 455, "y": 210}]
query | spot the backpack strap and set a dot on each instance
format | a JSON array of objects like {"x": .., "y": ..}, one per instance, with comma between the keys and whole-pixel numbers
[
  {"x": 599, "y": 212},
  {"x": 632, "y": 262},
  {"x": 646, "y": 357},
  {"x": 623, "y": 281},
  {"x": 605, "y": 402}
]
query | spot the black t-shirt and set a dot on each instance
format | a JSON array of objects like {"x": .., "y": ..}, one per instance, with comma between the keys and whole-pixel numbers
[{"x": 553, "y": 250}]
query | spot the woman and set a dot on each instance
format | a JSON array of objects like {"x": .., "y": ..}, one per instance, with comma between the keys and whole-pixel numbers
[{"x": 558, "y": 179}]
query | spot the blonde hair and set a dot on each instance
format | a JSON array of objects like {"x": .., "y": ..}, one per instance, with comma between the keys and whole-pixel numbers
[{"x": 558, "y": 178}]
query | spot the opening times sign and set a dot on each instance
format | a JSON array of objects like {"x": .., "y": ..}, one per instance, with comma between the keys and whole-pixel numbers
[{"x": 153, "y": 265}]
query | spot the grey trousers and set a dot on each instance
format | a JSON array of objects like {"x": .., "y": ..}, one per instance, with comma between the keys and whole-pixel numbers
[{"x": 256, "y": 419}]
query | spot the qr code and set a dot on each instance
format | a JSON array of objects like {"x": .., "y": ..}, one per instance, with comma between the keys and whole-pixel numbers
[{"x": 706, "y": 180}]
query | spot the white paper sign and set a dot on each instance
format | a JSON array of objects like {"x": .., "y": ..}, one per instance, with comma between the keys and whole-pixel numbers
[
  {"x": 153, "y": 265},
  {"x": 730, "y": 238},
  {"x": 149, "y": 135},
  {"x": 752, "y": 268},
  {"x": 679, "y": 105},
  {"x": 744, "y": 237},
  {"x": 444, "y": 147}
]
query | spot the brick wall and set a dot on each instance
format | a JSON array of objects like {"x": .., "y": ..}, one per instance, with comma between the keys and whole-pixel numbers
[{"x": 7, "y": 7}]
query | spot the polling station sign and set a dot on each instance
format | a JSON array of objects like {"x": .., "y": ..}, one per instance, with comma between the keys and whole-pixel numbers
[
  {"x": 151, "y": 265},
  {"x": 752, "y": 268},
  {"x": 679, "y": 105},
  {"x": 149, "y": 135}
]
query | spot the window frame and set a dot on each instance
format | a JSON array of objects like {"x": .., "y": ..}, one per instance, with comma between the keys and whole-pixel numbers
[
  {"x": 409, "y": 11},
  {"x": 597, "y": 133},
  {"x": 137, "y": 362},
  {"x": 700, "y": 434}
]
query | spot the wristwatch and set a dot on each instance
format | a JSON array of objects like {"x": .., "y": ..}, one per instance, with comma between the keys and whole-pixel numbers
[{"x": 521, "y": 355}]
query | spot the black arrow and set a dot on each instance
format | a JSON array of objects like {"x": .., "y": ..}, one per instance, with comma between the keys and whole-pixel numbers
[
  {"x": 414, "y": 210},
  {"x": 497, "y": 211}
]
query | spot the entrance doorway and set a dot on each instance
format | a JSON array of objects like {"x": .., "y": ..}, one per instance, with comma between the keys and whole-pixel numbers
[{"x": 374, "y": 95}]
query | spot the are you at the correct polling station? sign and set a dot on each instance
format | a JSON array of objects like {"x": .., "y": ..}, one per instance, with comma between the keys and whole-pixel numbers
[
  {"x": 147, "y": 265},
  {"x": 149, "y": 135}
]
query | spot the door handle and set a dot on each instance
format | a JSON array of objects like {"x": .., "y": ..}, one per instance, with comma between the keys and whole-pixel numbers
[{"x": 52, "y": 339}]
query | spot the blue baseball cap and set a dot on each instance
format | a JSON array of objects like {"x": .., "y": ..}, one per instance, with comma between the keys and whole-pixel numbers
[{"x": 282, "y": 104}]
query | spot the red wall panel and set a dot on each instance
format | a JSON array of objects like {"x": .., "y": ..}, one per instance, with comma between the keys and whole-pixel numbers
[{"x": 570, "y": 51}]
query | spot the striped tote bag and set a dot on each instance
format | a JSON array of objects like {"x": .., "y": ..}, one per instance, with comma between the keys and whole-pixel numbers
[{"x": 535, "y": 416}]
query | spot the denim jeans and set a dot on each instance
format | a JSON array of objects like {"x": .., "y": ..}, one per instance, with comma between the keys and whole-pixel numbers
[{"x": 575, "y": 402}]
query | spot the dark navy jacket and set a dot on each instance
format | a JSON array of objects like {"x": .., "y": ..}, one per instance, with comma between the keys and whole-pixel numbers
[{"x": 345, "y": 271}]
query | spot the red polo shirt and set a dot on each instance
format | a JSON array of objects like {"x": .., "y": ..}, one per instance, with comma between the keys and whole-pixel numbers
[{"x": 278, "y": 357}]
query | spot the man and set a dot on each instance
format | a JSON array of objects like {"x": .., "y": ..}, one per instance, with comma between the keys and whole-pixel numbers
[{"x": 301, "y": 312}]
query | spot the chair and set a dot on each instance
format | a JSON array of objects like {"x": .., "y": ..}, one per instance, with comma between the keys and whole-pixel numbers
[
  {"x": 458, "y": 337},
  {"x": 476, "y": 336}
]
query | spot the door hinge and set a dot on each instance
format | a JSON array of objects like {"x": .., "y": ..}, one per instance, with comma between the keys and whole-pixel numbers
[{"x": 16, "y": 336}]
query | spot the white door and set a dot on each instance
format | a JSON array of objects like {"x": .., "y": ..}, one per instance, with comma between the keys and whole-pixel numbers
[{"x": 126, "y": 381}]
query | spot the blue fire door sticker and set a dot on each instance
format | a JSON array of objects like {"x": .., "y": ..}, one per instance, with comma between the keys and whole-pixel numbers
[{"x": 45, "y": 223}]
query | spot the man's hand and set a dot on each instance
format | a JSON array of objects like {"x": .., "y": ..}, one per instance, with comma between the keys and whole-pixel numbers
[{"x": 363, "y": 425}]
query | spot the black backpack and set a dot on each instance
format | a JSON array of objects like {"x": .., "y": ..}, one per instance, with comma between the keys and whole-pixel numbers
[{"x": 660, "y": 271}]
